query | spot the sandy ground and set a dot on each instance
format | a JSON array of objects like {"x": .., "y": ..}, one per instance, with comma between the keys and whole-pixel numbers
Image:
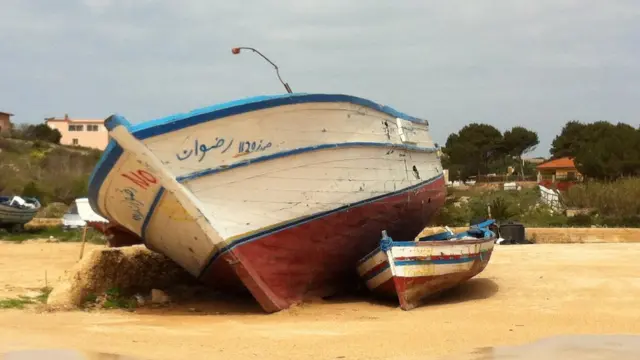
[{"x": 526, "y": 293}]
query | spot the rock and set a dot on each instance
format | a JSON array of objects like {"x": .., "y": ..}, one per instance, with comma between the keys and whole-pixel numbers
[
  {"x": 32, "y": 294},
  {"x": 159, "y": 297},
  {"x": 140, "y": 299},
  {"x": 129, "y": 269}
]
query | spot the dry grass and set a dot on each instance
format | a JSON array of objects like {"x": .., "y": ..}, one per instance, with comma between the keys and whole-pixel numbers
[{"x": 617, "y": 201}]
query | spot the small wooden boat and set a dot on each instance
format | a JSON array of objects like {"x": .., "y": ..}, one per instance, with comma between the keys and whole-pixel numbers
[
  {"x": 280, "y": 195},
  {"x": 413, "y": 271},
  {"x": 16, "y": 211}
]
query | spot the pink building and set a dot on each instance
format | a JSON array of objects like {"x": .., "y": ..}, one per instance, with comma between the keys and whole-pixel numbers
[{"x": 81, "y": 132}]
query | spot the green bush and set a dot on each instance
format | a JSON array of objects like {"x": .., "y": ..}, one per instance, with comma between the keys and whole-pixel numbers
[
  {"x": 36, "y": 133},
  {"x": 454, "y": 213},
  {"x": 612, "y": 204},
  {"x": 522, "y": 206},
  {"x": 580, "y": 220}
]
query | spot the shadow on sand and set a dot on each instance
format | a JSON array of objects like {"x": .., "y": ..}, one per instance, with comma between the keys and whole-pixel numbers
[
  {"x": 202, "y": 301},
  {"x": 474, "y": 289}
]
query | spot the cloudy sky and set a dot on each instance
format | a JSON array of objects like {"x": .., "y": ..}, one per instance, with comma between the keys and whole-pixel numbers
[{"x": 509, "y": 62}]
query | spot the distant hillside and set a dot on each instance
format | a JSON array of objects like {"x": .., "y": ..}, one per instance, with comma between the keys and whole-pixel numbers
[{"x": 52, "y": 173}]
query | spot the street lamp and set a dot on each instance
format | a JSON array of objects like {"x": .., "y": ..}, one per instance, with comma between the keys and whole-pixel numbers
[{"x": 236, "y": 51}]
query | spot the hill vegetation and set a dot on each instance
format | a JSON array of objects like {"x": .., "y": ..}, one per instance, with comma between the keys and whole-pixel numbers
[
  {"x": 45, "y": 170},
  {"x": 604, "y": 204}
]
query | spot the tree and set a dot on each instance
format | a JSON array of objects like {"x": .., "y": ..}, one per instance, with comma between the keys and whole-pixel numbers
[
  {"x": 473, "y": 148},
  {"x": 40, "y": 132},
  {"x": 569, "y": 141},
  {"x": 613, "y": 151},
  {"x": 44, "y": 133},
  {"x": 519, "y": 141}
]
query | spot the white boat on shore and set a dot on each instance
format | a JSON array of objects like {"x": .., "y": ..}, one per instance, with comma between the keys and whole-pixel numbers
[
  {"x": 16, "y": 211},
  {"x": 281, "y": 194}
]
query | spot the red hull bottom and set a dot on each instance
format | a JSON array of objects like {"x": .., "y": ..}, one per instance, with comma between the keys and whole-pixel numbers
[
  {"x": 411, "y": 292},
  {"x": 318, "y": 258},
  {"x": 117, "y": 235}
]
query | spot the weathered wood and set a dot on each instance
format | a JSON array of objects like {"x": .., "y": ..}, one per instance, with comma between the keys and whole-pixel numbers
[
  {"x": 412, "y": 272},
  {"x": 84, "y": 240}
]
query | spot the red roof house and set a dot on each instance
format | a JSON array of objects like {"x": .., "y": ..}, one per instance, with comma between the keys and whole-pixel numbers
[{"x": 560, "y": 173}]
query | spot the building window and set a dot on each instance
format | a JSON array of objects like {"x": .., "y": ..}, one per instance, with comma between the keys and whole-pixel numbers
[
  {"x": 76, "y": 127},
  {"x": 74, "y": 141},
  {"x": 92, "y": 127}
]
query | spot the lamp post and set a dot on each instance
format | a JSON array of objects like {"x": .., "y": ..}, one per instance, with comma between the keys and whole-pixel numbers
[{"x": 236, "y": 51}]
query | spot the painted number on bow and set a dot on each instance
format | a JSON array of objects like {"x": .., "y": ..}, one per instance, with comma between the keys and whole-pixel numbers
[{"x": 141, "y": 178}]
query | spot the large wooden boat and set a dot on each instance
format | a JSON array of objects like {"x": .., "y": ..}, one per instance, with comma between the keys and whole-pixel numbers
[
  {"x": 281, "y": 194},
  {"x": 414, "y": 271}
]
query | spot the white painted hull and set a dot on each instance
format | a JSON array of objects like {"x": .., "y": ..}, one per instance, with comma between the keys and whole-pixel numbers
[{"x": 196, "y": 186}]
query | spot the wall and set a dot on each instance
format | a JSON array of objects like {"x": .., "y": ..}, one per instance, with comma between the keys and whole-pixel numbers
[
  {"x": 5, "y": 124},
  {"x": 93, "y": 139},
  {"x": 568, "y": 235},
  {"x": 583, "y": 235}
]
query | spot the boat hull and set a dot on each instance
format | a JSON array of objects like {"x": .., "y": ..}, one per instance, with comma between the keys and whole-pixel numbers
[
  {"x": 316, "y": 258},
  {"x": 279, "y": 196},
  {"x": 413, "y": 272},
  {"x": 12, "y": 216}
]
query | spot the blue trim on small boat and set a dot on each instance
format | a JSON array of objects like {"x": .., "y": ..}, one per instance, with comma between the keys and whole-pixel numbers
[
  {"x": 478, "y": 230},
  {"x": 377, "y": 272},
  {"x": 484, "y": 224},
  {"x": 415, "y": 243},
  {"x": 179, "y": 121},
  {"x": 299, "y": 222},
  {"x": 438, "y": 261},
  {"x": 152, "y": 208},
  {"x": 301, "y": 150}
]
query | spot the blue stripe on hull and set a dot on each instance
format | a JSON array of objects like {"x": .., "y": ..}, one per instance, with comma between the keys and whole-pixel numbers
[
  {"x": 288, "y": 153},
  {"x": 437, "y": 262},
  {"x": 152, "y": 209},
  {"x": 373, "y": 274},
  {"x": 430, "y": 243},
  {"x": 108, "y": 160}
]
